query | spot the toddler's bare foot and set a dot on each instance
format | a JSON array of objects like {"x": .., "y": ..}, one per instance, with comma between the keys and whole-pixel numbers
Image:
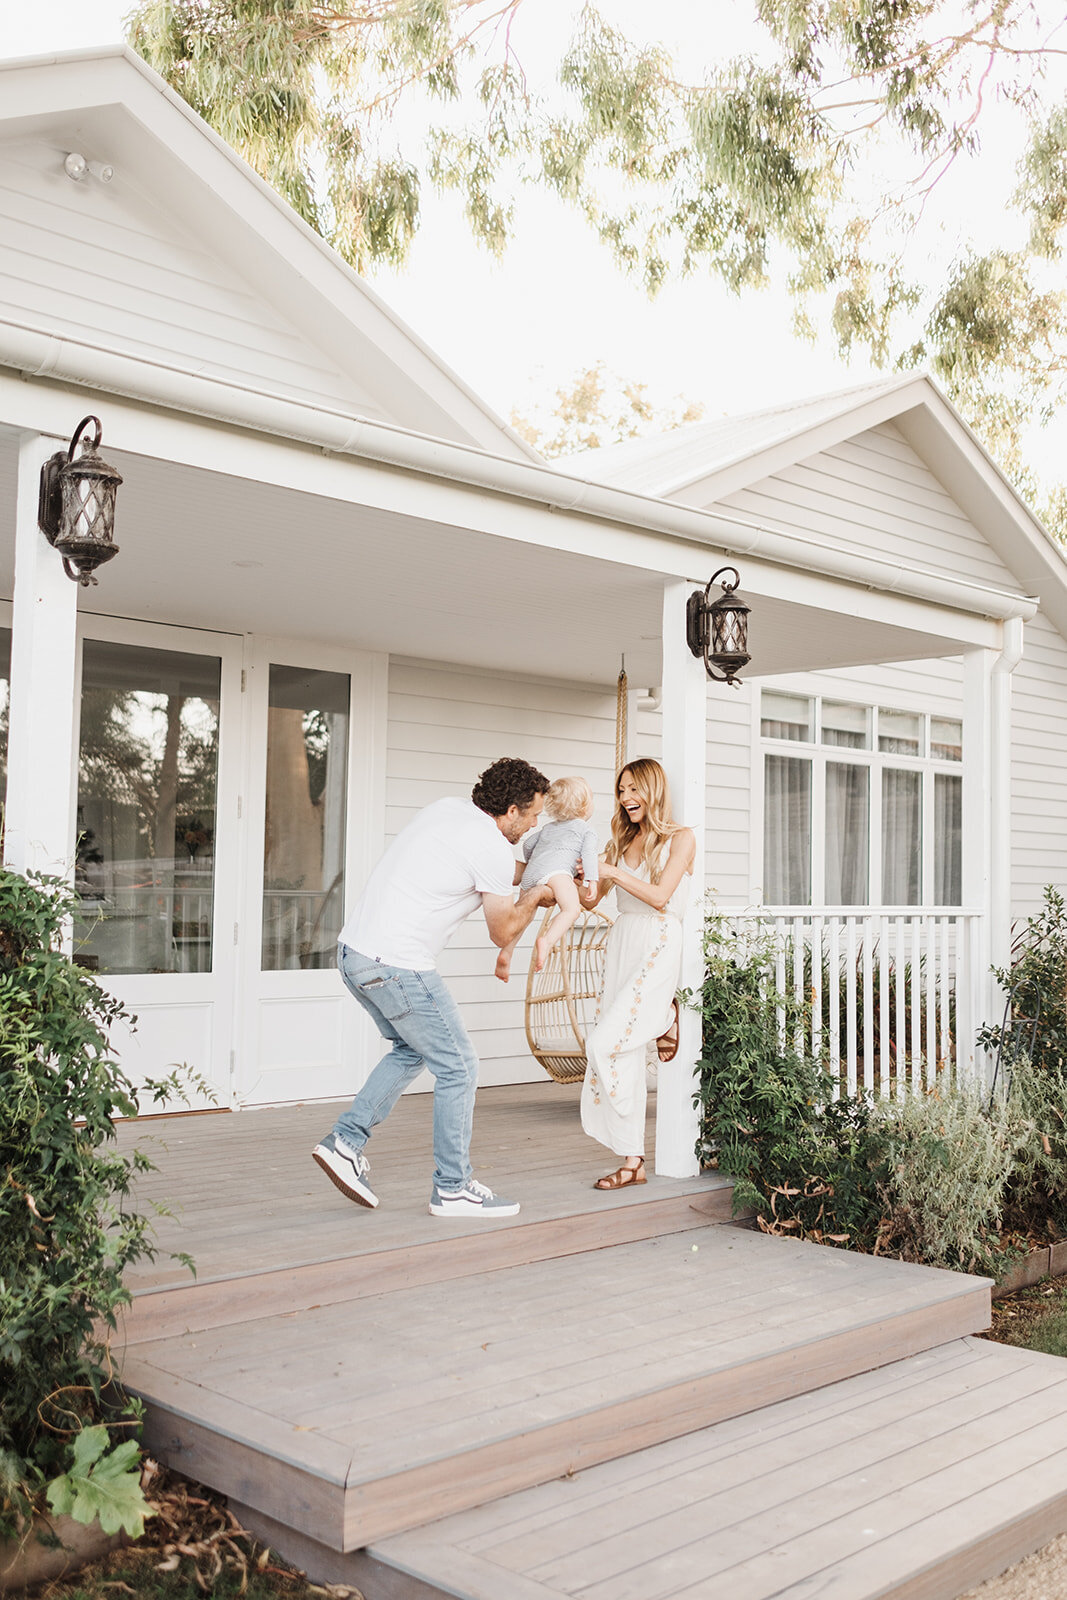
[
  {"x": 503, "y": 966},
  {"x": 541, "y": 949}
]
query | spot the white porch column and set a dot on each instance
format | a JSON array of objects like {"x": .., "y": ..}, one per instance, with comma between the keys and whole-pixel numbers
[
  {"x": 1000, "y": 794},
  {"x": 685, "y": 754},
  {"x": 39, "y": 813},
  {"x": 976, "y": 1001}
]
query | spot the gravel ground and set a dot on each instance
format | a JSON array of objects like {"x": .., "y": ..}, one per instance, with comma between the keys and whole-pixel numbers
[{"x": 1042, "y": 1576}]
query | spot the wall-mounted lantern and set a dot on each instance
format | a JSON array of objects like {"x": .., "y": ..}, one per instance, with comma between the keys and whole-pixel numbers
[
  {"x": 717, "y": 630},
  {"x": 76, "y": 509}
]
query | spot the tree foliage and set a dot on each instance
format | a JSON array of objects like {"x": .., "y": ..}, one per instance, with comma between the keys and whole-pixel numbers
[
  {"x": 595, "y": 409},
  {"x": 822, "y": 156}
]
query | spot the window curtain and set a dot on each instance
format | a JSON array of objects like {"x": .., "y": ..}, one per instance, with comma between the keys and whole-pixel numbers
[
  {"x": 787, "y": 832},
  {"x": 948, "y": 835},
  {"x": 848, "y": 796},
  {"x": 901, "y": 838}
]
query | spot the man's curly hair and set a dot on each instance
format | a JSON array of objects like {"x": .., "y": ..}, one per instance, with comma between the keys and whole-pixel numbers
[{"x": 508, "y": 782}]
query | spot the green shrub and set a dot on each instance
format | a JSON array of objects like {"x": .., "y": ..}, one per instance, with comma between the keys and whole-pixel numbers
[
  {"x": 67, "y": 1229},
  {"x": 806, "y": 1162},
  {"x": 948, "y": 1159}
]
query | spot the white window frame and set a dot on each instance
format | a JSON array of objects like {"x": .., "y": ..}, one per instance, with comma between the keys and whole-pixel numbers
[{"x": 875, "y": 760}]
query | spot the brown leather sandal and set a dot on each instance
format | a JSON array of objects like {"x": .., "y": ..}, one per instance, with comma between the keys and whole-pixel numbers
[
  {"x": 623, "y": 1177},
  {"x": 667, "y": 1043}
]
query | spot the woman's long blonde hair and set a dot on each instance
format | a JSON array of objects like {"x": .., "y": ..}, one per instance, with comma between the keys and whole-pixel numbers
[{"x": 650, "y": 781}]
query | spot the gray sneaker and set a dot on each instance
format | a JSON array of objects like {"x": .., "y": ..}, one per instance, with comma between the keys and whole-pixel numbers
[
  {"x": 348, "y": 1169},
  {"x": 473, "y": 1200}
]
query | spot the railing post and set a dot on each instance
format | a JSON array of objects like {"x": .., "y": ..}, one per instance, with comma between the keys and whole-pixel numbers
[{"x": 685, "y": 741}]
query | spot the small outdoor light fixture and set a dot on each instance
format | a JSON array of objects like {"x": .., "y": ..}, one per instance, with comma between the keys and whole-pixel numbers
[
  {"x": 76, "y": 509},
  {"x": 718, "y": 629}
]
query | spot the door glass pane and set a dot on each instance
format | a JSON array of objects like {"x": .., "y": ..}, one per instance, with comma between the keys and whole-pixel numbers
[
  {"x": 787, "y": 832},
  {"x": 901, "y": 837},
  {"x": 846, "y": 725},
  {"x": 848, "y": 807},
  {"x": 304, "y": 851},
  {"x": 147, "y": 774},
  {"x": 948, "y": 834},
  {"x": 784, "y": 716}
]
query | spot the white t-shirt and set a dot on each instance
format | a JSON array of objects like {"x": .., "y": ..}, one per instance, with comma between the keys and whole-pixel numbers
[{"x": 432, "y": 876}]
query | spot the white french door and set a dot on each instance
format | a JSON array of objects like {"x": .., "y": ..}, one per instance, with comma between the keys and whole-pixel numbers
[
  {"x": 313, "y": 823},
  {"x": 156, "y": 857}
]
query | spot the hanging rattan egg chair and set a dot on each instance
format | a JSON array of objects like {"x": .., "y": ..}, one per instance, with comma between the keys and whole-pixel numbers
[{"x": 561, "y": 1000}]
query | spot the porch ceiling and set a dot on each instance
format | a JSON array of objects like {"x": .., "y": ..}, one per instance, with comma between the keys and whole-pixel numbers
[{"x": 204, "y": 550}]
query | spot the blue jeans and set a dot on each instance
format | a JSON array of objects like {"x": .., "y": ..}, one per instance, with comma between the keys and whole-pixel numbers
[{"x": 416, "y": 1014}]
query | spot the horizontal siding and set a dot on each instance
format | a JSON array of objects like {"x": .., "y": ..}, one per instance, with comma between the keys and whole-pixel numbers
[
  {"x": 140, "y": 286},
  {"x": 446, "y": 724},
  {"x": 872, "y": 494},
  {"x": 1039, "y": 768},
  {"x": 729, "y": 797}
]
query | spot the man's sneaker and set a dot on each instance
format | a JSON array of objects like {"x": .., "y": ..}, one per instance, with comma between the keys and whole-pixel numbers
[
  {"x": 473, "y": 1200},
  {"x": 346, "y": 1168}
]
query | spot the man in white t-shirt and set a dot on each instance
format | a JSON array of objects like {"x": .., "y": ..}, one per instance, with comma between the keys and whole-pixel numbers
[{"x": 455, "y": 856}]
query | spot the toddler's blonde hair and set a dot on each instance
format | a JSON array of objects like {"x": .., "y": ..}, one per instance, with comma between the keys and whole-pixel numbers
[{"x": 568, "y": 798}]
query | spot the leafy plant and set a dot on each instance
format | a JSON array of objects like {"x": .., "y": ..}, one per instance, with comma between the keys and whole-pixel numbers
[
  {"x": 1036, "y": 982},
  {"x": 102, "y": 1485},
  {"x": 67, "y": 1227},
  {"x": 949, "y": 1158},
  {"x": 805, "y": 1160}
]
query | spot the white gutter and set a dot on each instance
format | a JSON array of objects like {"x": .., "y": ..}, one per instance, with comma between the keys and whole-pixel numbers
[{"x": 35, "y": 353}]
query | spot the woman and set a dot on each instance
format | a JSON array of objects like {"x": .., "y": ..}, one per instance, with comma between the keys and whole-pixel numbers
[{"x": 648, "y": 862}]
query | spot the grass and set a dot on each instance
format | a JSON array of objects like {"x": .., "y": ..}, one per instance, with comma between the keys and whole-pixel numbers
[{"x": 1034, "y": 1318}]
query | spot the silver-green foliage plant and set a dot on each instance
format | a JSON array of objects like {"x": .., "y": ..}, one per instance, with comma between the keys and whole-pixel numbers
[{"x": 949, "y": 1156}]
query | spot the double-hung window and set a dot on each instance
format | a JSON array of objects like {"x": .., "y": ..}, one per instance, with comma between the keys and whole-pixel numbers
[{"x": 861, "y": 804}]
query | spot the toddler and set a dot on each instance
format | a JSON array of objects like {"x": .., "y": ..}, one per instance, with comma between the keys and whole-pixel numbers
[{"x": 552, "y": 856}]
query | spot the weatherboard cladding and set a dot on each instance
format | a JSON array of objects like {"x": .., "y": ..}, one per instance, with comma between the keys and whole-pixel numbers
[
  {"x": 108, "y": 264},
  {"x": 874, "y": 495}
]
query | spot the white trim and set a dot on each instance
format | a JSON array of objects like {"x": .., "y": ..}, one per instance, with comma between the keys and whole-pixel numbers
[{"x": 34, "y": 352}]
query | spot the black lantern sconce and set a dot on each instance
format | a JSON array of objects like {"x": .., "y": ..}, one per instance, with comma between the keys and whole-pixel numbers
[
  {"x": 76, "y": 509},
  {"x": 718, "y": 629}
]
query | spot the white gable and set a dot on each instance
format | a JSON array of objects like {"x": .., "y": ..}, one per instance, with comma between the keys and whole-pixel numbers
[{"x": 187, "y": 261}]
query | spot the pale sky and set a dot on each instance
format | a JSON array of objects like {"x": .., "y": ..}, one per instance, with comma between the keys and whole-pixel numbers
[{"x": 557, "y": 303}]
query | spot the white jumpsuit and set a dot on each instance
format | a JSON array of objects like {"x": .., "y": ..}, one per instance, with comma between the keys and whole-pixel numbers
[{"x": 642, "y": 967}]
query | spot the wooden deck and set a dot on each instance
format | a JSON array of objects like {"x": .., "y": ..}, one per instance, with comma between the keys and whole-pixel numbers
[
  {"x": 355, "y": 1372},
  {"x": 918, "y": 1480},
  {"x": 387, "y": 1396}
]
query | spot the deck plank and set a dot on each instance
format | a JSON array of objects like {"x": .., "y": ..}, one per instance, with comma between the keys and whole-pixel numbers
[
  {"x": 518, "y": 1375},
  {"x": 906, "y": 1482}
]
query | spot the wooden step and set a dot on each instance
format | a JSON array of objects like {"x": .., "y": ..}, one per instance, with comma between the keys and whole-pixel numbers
[
  {"x": 359, "y": 1419},
  {"x": 269, "y": 1233},
  {"x": 916, "y": 1481}
]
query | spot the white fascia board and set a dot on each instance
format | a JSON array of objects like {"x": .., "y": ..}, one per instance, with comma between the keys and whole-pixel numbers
[
  {"x": 963, "y": 465},
  {"x": 643, "y": 540},
  {"x": 798, "y": 444},
  {"x": 252, "y": 224}
]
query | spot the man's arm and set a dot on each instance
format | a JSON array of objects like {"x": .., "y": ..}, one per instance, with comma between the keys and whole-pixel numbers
[{"x": 506, "y": 919}]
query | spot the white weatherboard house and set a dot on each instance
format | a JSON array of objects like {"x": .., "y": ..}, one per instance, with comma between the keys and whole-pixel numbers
[{"x": 345, "y": 586}]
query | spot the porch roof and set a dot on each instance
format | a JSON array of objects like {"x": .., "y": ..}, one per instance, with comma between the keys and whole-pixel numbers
[{"x": 374, "y": 501}]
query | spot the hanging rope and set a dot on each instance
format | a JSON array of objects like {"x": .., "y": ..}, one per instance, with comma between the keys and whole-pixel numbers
[{"x": 620, "y": 719}]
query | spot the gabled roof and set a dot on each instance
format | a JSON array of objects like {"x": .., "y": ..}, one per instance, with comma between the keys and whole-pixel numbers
[
  {"x": 704, "y": 463},
  {"x": 189, "y": 263},
  {"x": 664, "y": 464}
]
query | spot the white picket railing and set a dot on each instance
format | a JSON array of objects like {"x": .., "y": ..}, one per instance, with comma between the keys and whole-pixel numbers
[{"x": 894, "y": 993}]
